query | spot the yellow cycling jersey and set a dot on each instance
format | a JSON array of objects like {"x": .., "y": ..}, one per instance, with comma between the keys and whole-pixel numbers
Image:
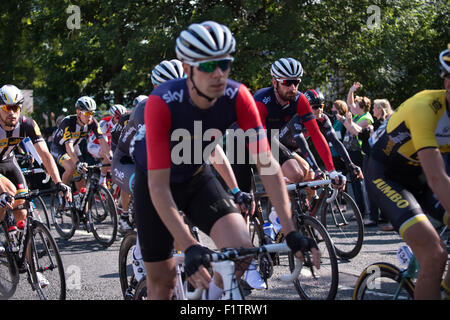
[{"x": 419, "y": 122}]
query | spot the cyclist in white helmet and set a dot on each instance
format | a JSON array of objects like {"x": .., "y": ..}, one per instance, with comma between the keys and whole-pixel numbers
[
  {"x": 206, "y": 95},
  {"x": 73, "y": 128},
  {"x": 106, "y": 125}
]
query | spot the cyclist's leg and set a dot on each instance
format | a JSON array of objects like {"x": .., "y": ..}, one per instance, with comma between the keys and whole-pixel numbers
[
  {"x": 433, "y": 207},
  {"x": 210, "y": 208},
  {"x": 407, "y": 217},
  {"x": 6, "y": 186},
  {"x": 14, "y": 173},
  {"x": 291, "y": 167},
  {"x": 155, "y": 241},
  {"x": 69, "y": 167}
]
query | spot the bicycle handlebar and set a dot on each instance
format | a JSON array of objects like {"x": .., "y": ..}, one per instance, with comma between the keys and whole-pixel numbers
[
  {"x": 34, "y": 193},
  {"x": 37, "y": 170}
]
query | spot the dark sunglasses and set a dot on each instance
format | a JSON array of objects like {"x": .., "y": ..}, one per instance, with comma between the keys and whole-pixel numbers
[
  {"x": 289, "y": 82},
  {"x": 8, "y": 108},
  {"x": 211, "y": 65},
  {"x": 317, "y": 106}
]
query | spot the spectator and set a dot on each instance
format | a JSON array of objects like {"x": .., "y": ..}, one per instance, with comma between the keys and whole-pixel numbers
[
  {"x": 356, "y": 120},
  {"x": 381, "y": 110},
  {"x": 338, "y": 112}
]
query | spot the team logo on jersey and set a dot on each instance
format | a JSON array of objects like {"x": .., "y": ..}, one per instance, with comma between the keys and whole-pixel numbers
[
  {"x": 36, "y": 129},
  {"x": 436, "y": 106},
  {"x": 231, "y": 92},
  {"x": 173, "y": 96},
  {"x": 266, "y": 100}
]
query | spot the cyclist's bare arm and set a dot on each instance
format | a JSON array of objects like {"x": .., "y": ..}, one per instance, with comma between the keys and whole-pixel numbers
[
  {"x": 106, "y": 149},
  {"x": 70, "y": 149},
  {"x": 434, "y": 168},
  {"x": 221, "y": 163}
]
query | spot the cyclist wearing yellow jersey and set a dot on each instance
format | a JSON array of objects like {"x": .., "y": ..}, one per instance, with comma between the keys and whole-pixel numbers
[{"x": 407, "y": 177}]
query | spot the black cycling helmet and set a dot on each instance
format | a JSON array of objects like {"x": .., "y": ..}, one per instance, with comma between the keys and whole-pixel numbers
[{"x": 315, "y": 98}]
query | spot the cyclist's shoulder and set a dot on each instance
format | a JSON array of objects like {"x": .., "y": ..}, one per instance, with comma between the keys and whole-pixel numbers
[
  {"x": 427, "y": 105},
  {"x": 264, "y": 95}
]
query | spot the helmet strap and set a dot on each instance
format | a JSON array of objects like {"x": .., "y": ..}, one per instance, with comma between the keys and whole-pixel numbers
[{"x": 201, "y": 94}]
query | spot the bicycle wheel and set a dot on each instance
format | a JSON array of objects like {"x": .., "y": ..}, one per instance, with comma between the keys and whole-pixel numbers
[
  {"x": 9, "y": 273},
  {"x": 65, "y": 220},
  {"x": 102, "y": 215},
  {"x": 383, "y": 281},
  {"x": 344, "y": 224},
  {"x": 46, "y": 260},
  {"x": 315, "y": 284},
  {"x": 40, "y": 211},
  {"x": 141, "y": 290},
  {"x": 128, "y": 282}
]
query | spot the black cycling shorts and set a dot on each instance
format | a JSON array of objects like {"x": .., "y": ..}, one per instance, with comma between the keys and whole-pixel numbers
[
  {"x": 202, "y": 199},
  {"x": 403, "y": 198},
  {"x": 11, "y": 170}
]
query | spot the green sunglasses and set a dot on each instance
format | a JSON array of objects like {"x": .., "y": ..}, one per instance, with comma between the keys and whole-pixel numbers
[{"x": 211, "y": 65}]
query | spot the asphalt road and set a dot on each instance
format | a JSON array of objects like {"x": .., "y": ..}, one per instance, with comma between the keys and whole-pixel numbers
[{"x": 92, "y": 271}]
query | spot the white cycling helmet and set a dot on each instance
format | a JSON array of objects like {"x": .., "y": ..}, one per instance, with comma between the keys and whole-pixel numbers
[
  {"x": 138, "y": 99},
  {"x": 444, "y": 62},
  {"x": 86, "y": 103},
  {"x": 167, "y": 70},
  {"x": 206, "y": 40},
  {"x": 11, "y": 95},
  {"x": 117, "y": 110},
  {"x": 286, "y": 68}
]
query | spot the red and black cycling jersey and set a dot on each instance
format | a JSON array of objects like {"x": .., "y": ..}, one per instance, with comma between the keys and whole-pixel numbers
[
  {"x": 179, "y": 135},
  {"x": 9, "y": 140},
  {"x": 293, "y": 135},
  {"x": 71, "y": 130},
  {"x": 274, "y": 116}
]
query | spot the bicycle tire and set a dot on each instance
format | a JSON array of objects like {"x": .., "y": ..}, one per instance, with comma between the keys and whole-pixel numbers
[
  {"x": 40, "y": 211},
  {"x": 345, "y": 227},
  {"x": 47, "y": 260},
  {"x": 141, "y": 290},
  {"x": 9, "y": 273},
  {"x": 103, "y": 224},
  {"x": 379, "y": 281},
  {"x": 65, "y": 221},
  {"x": 320, "y": 284},
  {"x": 126, "y": 276}
]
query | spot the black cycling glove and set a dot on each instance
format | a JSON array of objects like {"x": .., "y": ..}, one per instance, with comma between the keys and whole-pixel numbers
[
  {"x": 297, "y": 242},
  {"x": 194, "y": 257},
  {"x": 6, "y": 198},
  {"x": 243, "y": 198},
  {"x": 62, "y": 187}
]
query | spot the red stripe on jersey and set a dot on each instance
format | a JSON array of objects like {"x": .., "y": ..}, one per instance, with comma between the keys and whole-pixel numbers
[
  {"x": 157, "y": 126},
  {"x": 303, "y": 108},
  {"x": 263, "y": 112}
]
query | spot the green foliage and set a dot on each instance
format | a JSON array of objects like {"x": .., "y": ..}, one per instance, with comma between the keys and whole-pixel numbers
[{"x": 120, "y": 41}]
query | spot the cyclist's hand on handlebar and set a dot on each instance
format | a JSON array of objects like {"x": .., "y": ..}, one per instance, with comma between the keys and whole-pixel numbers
[
  {"x": 6, "y": 200},
  {"x": 81, "y": 166},
  {"x": 245, "y": 201},
  {"x": 337, "y": 180},
  {"x": 356, "y": 172},
  {"x": 64, "y": 191},
  {"x": 300, "y": 245},
  {"x": 196, "y": 260}
]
